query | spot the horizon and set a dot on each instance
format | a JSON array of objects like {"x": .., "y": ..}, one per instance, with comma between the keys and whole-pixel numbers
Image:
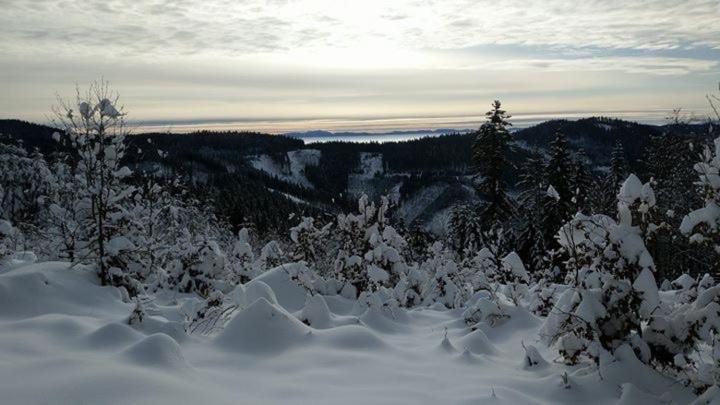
[
  {"x": 285, "y": 66},
  {"x": 381, "y": 126}
]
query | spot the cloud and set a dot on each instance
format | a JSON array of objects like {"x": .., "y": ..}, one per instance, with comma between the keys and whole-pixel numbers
[{"x": 315, "y": 57}]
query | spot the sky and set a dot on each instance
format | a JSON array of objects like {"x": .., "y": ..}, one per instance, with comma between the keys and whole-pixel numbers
[{"x": 279, "y": 65}]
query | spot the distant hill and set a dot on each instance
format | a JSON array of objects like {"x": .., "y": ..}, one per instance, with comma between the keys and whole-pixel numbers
[
  {"x": 249, "y": 176},
  {"x": 330, "y": 134},
  {"x": 32, "y": 135}
]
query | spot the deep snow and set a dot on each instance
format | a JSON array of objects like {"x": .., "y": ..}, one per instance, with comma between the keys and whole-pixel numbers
[{"x": 65, "y": 339}]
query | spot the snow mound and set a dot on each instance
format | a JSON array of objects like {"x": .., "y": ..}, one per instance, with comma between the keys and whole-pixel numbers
[
  {"x": 158, "y": 350},
  {"x": 255, "y": 290},
  {"x": 287, "y": 292},
  {"x": 350, "y": 337},
  {"x": 54, "y": 288},
  {"x": 632, "y": 395},
  {"x": 262, "y": 328},
  {"x": 112, "y": 335},
  {"x": 316, "y": 313},
  {"x": 477, "y": 342}
]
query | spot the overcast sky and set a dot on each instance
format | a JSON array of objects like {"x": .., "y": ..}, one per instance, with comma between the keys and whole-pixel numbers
[{"x": 328, "y": 64}]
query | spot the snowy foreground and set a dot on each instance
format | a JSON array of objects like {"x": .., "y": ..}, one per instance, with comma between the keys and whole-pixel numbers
[{"x": 65, "y": 339}]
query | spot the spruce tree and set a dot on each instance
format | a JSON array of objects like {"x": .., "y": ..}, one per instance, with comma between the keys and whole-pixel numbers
[
  {"x": 530, "y": 240},
  {"x": 608, "y": 189},
  {"x": 559, "y": 174},
  {"x": 490, "y": 152},
  {"x": 581, "y": 182}
]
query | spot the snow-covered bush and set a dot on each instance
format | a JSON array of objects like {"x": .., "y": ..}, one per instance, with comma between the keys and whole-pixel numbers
[
  {"x": 271, "y": 256},
  {"x": 445, "y": 284},
  {"x": 613, "y": 290},
  {"x": 369, "y": 255},
  {"x": 308, "y": 242},
  {"x": 242, "y": 258},
  {"x": 484, "y": 307},
  {"x": 198, "y": 268},
  {"x": 25, "y": 183},
  {"x": 9, "y": 239},
  {"x": 701, "y": 225},
  {"x": 684, "y": 340}
]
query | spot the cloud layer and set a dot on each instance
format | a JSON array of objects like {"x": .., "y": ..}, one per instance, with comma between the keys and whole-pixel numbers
[{"x": 328, "y": 58}]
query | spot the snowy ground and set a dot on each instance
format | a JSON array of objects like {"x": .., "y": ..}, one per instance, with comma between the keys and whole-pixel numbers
[{"x": 64, "y": 339}]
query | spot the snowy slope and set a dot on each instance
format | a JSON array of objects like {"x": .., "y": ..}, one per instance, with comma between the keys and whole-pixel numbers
[
  {"x": 65, "y": 340},
  {"x": 292, "y": 171}
]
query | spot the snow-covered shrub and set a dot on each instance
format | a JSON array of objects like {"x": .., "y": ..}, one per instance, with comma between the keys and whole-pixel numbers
[
  {"x": 25, "y": 183},
  {"x": 484, "y": 307},
  {"x": 701, "y": 225},
  {"x": 613, "y": 290},
  {"x": 445, "y": 284},
  {"x": 9, "y": 239},
  {"x": 308, "y": 242},
  {"x": 210, "y": 314},
  {"x": 242, "y": 258},
  {"x": 684, "y": 339},
  {"x": 199, "y": 267},
  {"x": 369, "y": 255},
  {"x": 542, "y": 297},
  {"x": 271, "y": 256}
]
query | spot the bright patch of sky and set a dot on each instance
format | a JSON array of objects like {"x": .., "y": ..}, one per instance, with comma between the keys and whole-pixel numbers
[{"x": 265, "y": 63}]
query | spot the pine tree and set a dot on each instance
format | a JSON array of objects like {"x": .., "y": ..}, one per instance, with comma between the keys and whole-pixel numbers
[
  {"x": 464, "y": 230},
  {"x": 490, "y": 156},
  {"x": 615, "y": 177},
  {"x": 581, "y": 183},
  {"x": 531, "y": 241},
  {"x": 559, "y": 175}
]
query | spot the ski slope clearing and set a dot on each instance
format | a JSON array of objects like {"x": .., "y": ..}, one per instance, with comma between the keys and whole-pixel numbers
[{"x": 64, "y": 339}]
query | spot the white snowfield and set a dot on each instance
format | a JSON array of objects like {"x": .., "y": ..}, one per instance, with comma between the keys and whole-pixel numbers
[{"x": 66, "y": 340}]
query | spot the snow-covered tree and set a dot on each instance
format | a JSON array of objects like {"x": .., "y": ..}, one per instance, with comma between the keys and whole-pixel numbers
[
  {"x": 94, "y": 129},
  {"x": 490, "y": 156},
  {"x": 445, "y": 284},
  {"x": 702, "y": 225},
  {"x": 199, "y": 267},
  {"x": 464, "y": 229},
  {"x": 559, "y": 176},
  {"x": 531, "y": 238},
  {"x": 613, "y": 289},
  {"x": 370, "y": 249},
  {"x": 308, "y": 241},
  {"x": 242, "y": 258},
  {"x": 25, "y": 183}
]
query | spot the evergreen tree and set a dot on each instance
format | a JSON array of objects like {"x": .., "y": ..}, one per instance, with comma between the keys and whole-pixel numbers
[
  {"x": 464, "y": 231},
  {"x": 531, "y": 241},
  {"x": 557, "y": 201},
  {"x": 607, "y": 189},
  {"x": 490, "y": 156},
  {"x": 559, "y": 170},
  {"x": 581, "y": 182}
]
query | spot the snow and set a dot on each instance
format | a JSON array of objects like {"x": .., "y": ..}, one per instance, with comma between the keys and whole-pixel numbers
[
  {"x": 371, "y": 165},
  {"x": 294, "y": 170},
  {"x": 552, "y": 193},
  {"x": 70, "y": 337}
]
